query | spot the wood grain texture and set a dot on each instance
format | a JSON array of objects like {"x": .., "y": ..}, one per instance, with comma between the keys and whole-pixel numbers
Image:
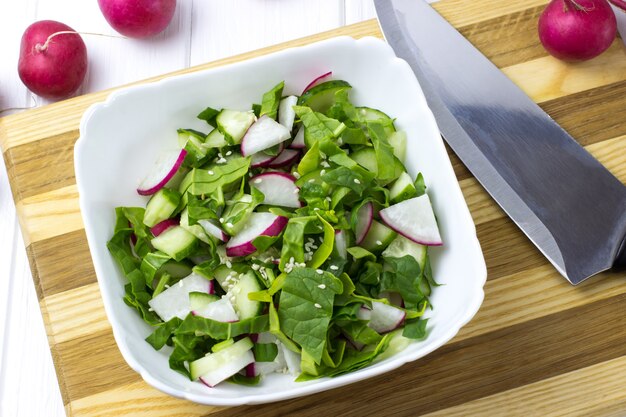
[{"x": 535, "y": 342}]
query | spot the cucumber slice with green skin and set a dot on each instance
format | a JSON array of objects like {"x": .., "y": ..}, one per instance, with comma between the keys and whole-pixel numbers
[
  {"x": 245, "y": 307},
  {"x": 216, "y": 367},
  {"x": 367, "y": 113},
  {"x": 397, "y": 140},
  {"x": 366, "y": 157},
  {"x": 234, "y": 124},
  {"x": 402, "y": 189},
  {"x": 161, "y": 206},
  {"x": 175, "y": 269},
  {"x": 177, "y": 242},
  {"x": 199, "y": 300},
  {"x": 222, "y": 345},
  {"x": 401, "y": 246},
  {"x": 378, "y": 237},
  {"x": 322, "y": 96},
  {"x": 216, "y": 139},
  {"x": 196, "y": 229}
]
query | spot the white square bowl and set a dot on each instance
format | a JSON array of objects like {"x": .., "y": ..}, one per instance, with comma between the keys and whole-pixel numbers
[{"x": 120, "y": 139}]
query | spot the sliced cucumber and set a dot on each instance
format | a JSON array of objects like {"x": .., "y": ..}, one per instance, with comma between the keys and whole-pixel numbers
[
  {"x": 216, "y": 139},
  {"x": 322, "y": 96},
  {"x": 367, "y": 113},
  {"x": 402, "y": 189},
  {"x": 366, "y": 157},
  {"x": 195, "y": 229},
  {"x": 234, "y": 124},
  {"x": 378, "y": 237},
  {"x": 175, "y": 269},
  {"x": 217, "y": 366},
  {"x": 177, "y": 242},
  {"x": 245, "y": 307},
  {"x": 161, "y": 206},
  {"x": 199, "y": 300},
  {"x": 401, "y": 246},
  {"x": 222, "y": 345},
  {"x": 397, "y": 140}
]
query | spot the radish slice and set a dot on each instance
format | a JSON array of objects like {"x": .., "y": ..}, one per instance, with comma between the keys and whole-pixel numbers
[
  {"x": 262, "y": 160},
  {"x": 164, "y": 169},
  {"x": 279, "y": 189},
  {"x": 220, "y": 310},
  {"x": 213, "y": 230},
  {"x": 284, "y": 159},
  {"x": 317, "y": 80},
  {"x": 292, "y": 359},
  {"x": 298, "y": 140},
  {"x": 414, "y": 219},
  {"x": 341, "y": 244},
  {"x": 364, "y": 219},
  {"x": 258, "y": 224},
  {"x": 263, "y": 134},
  {"x": 364, "y": 313},
  {"x": 161, "y": 227},
  {"x": 286, "y": 114},
  {"x": 174, "y": 301},
  {"x": 384, "y": 318}
]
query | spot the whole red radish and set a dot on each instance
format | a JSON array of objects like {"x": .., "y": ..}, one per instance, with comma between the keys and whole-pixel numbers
[
  {"x": 577, "y": 30},
  {"x": 52, "y": 64},
  {"x": 138, "y": 18}
]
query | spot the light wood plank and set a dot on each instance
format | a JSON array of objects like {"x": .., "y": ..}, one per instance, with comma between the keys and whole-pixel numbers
[
  {"x": 75, "y": 313},
  {"x": 597, "y": 390},
  {"x": 462, "y": 13},
  {"x": 548, "y": 78},
  {"x": 50, "y": 214}
]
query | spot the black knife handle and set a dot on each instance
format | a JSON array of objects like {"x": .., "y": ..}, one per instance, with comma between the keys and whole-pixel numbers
[{"x": 620, "y": 258}]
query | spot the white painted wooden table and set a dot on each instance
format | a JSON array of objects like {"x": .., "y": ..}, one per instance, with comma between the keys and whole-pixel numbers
[{"x": 201, "y": 31}]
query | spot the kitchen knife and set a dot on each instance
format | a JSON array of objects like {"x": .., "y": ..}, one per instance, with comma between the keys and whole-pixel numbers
[{"x": 569, "y": 205}]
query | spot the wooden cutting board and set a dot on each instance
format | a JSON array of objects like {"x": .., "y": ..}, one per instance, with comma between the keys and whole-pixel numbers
[{"x": 538, "y": 346}]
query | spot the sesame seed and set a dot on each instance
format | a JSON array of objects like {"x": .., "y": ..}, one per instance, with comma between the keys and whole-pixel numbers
[
  {"x": 334, "y": 267},
  {"x": 229, "y": 153},
  {"x": 319, "y": 271},
  {"x": 167, "y": 286},
  {"x": 378, "y": 242},
  {"x": 232, "y": 274},
  {"x": 329, "y": 199},
  {"x": 211, "y": 172},
  {"x": 317, "y": 305},
  {"x": 229, "y": 225},
  {"x": 229, "y": 264},
  {"x": 356, "y": 181},
  {"x": 221, "y": 220},
  {"x": 150, "y": 309},
  {"x": 292, "y": 260},
  {"x": 321, "y": 286},
  {"x": 258, "y": 180},
  {"x": 256, "y": 267},
  {"x": 316, "y": 209},
  {"x": 322, "y": 172},
  {"x": 296, "y": 175},
  {"x": 325, "y": 164},
  {"x": 312, "y": 180}
]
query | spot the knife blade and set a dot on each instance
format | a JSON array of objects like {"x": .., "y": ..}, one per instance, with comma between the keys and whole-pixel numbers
[{"x": 567, "y": 203}]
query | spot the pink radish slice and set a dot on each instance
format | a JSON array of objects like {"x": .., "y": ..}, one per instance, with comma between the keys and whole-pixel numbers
[
  {"x": 286, "y": 114},
  {"x": 414, "y": 219},
  {"x": 220, "y": 310},
  {"x": 250, "y": 371},
  {"x": 298, "y": 140},
  {"x": 285, "y": 158},
  {"x": 263, "y": 134},
  {"x": 164, "y": 169},
  {"x": 258, "y": 224},
  {"x": 340, "y": 243},
  {"x": 385, "y": 318},
  {"x": 161, "y": 227},
  {"x": 364, "y": 313},
  {"x": 364, "y": 219},
  {"x": 316, "y": 81},
  {"x": 262, "y": 160},
  {"x": 212, "y": 286},
  {"x": 213, "y": 230},
  {"x": 279, "y": 189}
]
